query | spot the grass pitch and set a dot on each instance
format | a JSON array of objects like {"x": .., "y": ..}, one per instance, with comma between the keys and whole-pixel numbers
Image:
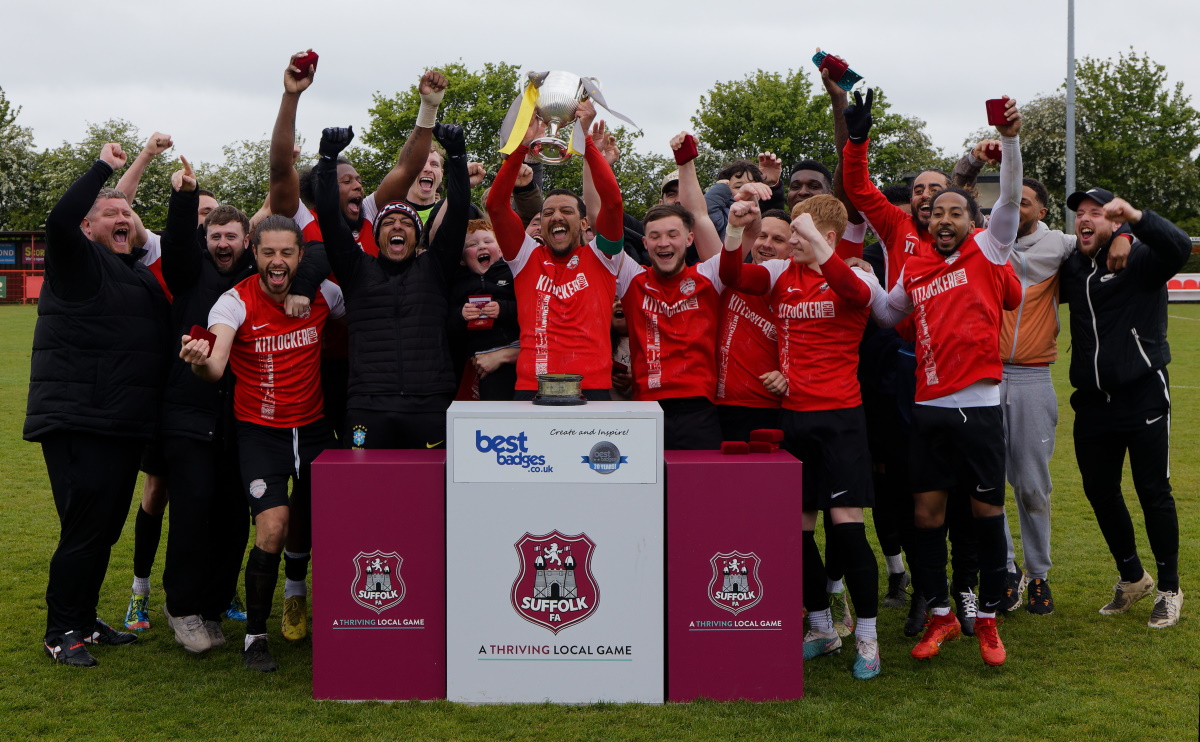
[{"x": 1074, "y": 675}]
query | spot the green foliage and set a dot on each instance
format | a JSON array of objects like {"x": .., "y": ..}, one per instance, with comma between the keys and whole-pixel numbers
[
  {"x": 771, "y": 111},
  {"x": 18, "y": 162},
  {"x": 475, "y": 100},
  {"x": 639, "y": 175},
  {"x": 1135, "y": 135},
  {"x": 61, "y": 166},
  {"x": 243, "y": 178}
]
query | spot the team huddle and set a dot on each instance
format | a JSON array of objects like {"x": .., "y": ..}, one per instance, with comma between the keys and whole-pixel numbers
[{"x": 900, "y": 338}]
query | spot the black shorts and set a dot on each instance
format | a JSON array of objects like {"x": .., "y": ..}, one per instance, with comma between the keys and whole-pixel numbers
[
  {"x": 154, "y": 461},
  {"x": 958, "y": 447},
  {"x": 832, "y": 445},
  {"x": 272, "y": 456},
  {"x": 737, "y": 422},
  {"x": 690, "y": 424}
]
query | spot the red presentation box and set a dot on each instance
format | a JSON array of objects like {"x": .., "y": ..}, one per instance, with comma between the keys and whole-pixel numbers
[
  {"x": 379, "y": 575},
  {"x": 734, "y": 610}
]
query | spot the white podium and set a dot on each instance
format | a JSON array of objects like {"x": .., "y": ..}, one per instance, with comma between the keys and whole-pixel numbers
[{"x": 554, "y": 552}]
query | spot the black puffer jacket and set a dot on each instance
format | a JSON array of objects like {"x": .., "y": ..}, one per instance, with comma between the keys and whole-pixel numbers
[
  {"x": 1119, "y": 320},
  {"x": 396, "y": 311},
  {"x": 194, "y": 408},
  {"x": 102, "y": 336}
]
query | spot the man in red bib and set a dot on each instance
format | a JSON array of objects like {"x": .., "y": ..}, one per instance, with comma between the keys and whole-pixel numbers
[
  {"x": 564, "y": 288},
  {"x": 956, "y": 293},
  {"x": 277, "y": 402}
]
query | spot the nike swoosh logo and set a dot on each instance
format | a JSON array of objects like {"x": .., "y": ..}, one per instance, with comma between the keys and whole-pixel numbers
[
  {"x": 435, "y": 445},
  {"x": 835, "y": 494},
  {"x": 1151, "y": 422},
  {"x": 793, "y": 288},
  {"x": 547, "y": 262},
  {"x": 651, "y": 288},
  {"x": 259, "y": 327},
  {"x": 981, "y": 489},
  {"x": 1045, "y": 439}
]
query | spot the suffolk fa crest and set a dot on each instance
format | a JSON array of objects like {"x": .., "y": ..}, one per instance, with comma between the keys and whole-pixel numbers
[
  {"x": 735, "y": 585},
  {"x": 554, "y": 586},
  {"x": 377, "y": 582}
]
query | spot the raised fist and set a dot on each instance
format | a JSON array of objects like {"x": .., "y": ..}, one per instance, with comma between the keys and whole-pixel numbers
[
  {"x": 858, "y": 116},
  {"x": 452, "y": 137},
  {"x": 477, "y": 172},
  {"x": 158, "y": 143},
  {"x": 771, "y": 167},
  {"x": 433, "y": 85},
  {"x": 334, "y": 140},
  {"x": 113, "y": 156}
]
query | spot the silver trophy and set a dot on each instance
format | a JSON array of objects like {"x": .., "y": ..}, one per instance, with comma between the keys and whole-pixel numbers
[{"x": 559, "y": 96}]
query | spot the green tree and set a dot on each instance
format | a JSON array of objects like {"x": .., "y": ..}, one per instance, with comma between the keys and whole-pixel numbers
[
  {"x": 475, "y": 100},
  {"x": 242, "y": 179},
  {"x": 1136, "y": 136},
  {"x": 61, "y": 166},
  {"x": 478, "y": 101},
  {"x": 771, "y": 111},
  {"x": 18, "y": 168}
]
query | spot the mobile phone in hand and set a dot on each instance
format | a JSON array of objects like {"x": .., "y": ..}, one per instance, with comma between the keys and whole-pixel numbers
[
  {"x": 839, "y": 71},
  {"x": 202, "y": 333},
  {"x": 303, "y": 62},
  {"x": 995, "y": 111}
]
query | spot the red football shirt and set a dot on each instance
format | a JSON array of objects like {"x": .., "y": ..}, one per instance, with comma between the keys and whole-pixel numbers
[
  {"x": 276, "y": 358},
  {"x": 672, "y": 329},
  {"x": 564, "y": 308},
  {"x": 747, "y": 348}
]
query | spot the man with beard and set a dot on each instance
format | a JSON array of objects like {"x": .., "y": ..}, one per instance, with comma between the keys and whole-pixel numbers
[
  {"x": 401, "y": 379},
  {"x": 277, "y": 402},
  {"x": 956, "y": 292},
  {"x": 564, "y": 287},
  {"x": 209, "y": 523},
  {"x": 821, "y": 308},
  {"x": 94, "y": 386},
  {"x": 1122, "y": 400},
  {"x": 1028, "y": 345}
]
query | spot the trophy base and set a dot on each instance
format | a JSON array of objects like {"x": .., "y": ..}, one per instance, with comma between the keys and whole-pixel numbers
[
  {"x": 550, "y": 150},
  {"x": 559, "y": 390}
]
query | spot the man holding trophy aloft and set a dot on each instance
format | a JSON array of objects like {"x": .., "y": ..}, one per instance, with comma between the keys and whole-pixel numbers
[{"x": 564, "y": 288}]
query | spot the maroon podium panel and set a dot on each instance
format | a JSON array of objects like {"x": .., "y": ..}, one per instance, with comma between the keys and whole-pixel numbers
[
  {"x": 734, "y": 612},
  {"x": 379, "y": 575}
]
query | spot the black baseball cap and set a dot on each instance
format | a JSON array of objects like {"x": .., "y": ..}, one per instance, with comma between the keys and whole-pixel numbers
[{"x": 1099, "y": 195}]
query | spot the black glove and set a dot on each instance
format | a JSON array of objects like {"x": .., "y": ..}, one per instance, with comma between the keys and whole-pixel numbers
[
  {"x": 452, "y": 138},
  {"x": 858, "y": 117},
  {"x": 334, "y": 140}
]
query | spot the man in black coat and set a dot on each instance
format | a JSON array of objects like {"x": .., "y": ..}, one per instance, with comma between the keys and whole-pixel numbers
[
  {"x": 99, "y": 352},
  {"x": 401, "y": 378},
  {"x": 1122, "y": 400},
  {"x": 209, "y": 518}
]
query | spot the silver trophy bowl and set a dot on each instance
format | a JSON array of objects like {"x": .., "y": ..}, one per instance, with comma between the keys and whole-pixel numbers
[{"x": 559, "y": 95}]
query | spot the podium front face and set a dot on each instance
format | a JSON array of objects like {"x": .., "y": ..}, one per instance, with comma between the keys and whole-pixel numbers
[
  {"x": 554, "y": 553},
  {"x": 379, "y": 577},
  {"x": 734, "y": 618}
]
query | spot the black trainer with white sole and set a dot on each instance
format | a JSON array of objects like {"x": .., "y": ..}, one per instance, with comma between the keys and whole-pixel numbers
[
  {"x": 102, "y": 633},
  {"x": 68, "y": 649}
]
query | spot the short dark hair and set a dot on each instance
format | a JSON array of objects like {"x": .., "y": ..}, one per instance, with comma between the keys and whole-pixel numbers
[
  {"x": 971, "y": 205},
  {"x": 277, "y": 223},
  {"x": 777, "y": 214},
  {"x": 813, "y": 165},
  {"x": 1043, "y": 196},
  {"x": 897, "y": 193},
  {"x": 204, "y": 192},
  {"x": 308, "y": 182},
  {"x": 663, "y": 211},
  {"x": 224, "y": 214},
  {"x": 938, "y": 170},
  {"x": 567, "y": 192},
  {"x": 741, "y": 167}
]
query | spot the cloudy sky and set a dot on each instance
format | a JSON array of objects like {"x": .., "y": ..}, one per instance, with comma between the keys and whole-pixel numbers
[{"x": 210, "y": 74}]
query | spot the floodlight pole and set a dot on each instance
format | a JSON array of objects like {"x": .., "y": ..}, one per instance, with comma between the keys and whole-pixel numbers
[{"x": 1070, "y": 143}]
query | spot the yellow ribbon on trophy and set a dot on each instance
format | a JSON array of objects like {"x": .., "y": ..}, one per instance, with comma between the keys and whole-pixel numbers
[{"x": 524, "y": 114}]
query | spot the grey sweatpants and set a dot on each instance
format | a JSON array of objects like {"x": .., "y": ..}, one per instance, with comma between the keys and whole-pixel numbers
[{"x": 1030, "y": 412}]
